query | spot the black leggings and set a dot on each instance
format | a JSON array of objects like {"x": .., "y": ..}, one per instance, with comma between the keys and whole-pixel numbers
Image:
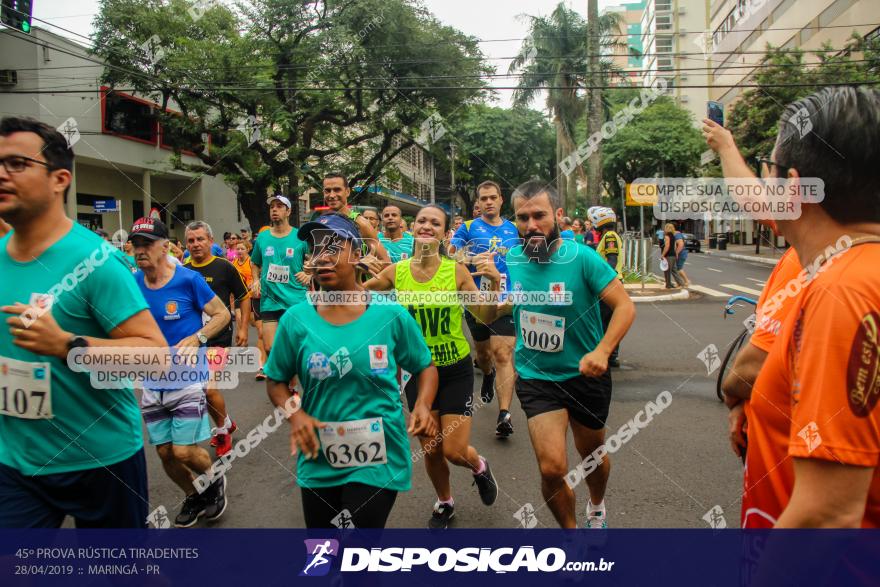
[{"x": 368, "y": 506}]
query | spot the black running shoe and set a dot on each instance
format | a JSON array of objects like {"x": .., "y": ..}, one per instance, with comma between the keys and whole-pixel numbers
[
  {"x": 487, "y": 389},
  {"x": 486, "y": 485},
  {"x": 504, "y": 428},
  {"x": 193, "y": 508},
  {"x": 442, "y": 516},
  {"x": 215, "y": 498}
]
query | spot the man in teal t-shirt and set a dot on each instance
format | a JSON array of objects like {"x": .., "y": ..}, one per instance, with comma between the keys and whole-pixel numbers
[
  {"x": 561, "y": 351},
  {"x": 66, "y": 448},
  {"x": 399, "y": 244},
  {"x": 279, "y": 256}
]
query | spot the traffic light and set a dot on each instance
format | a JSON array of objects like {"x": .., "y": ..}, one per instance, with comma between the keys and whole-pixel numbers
[{"x": 17, "y": 14}]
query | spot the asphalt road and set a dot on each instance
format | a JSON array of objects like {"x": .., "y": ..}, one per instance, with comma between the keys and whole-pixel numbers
[{"x": 669, "y": 475}]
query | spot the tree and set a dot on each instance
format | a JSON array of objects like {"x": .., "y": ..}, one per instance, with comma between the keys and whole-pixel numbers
[
  {"x": 754, "y": 118},
  {"x": 595, "y": 78},
  {"x": 554, "y": 56},
  {"x": 662, "y": 140},
  {"x": 326, "y": 84},
  {"x": 506, "y": 145}
]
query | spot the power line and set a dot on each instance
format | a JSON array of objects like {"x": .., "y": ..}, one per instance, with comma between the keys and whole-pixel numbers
[
  {"x": 584, "y": 36},
  {"x": 414, "y": 88}
]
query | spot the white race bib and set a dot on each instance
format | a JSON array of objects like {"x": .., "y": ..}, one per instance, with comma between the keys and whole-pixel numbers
[
  {"x": 542, "y": 332},
  {"x": 359, "y": 443},
  {"x": 486, "y": 285},
  {"x": 278, "y": 273},
  {"x": 26, "y": 389}
]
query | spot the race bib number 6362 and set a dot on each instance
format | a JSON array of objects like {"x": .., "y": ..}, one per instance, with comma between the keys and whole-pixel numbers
[
  {"x": 25, "y": 389},
  {"x": 358, "y": 443}
]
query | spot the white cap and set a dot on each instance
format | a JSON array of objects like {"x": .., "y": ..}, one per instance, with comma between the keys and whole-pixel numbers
[{"x": 281, "y": 199}]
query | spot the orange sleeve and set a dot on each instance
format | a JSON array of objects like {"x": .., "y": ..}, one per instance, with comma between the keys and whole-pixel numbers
[
  {"x": 769, "y": 317},
  {"x": 836, "y": 381}
]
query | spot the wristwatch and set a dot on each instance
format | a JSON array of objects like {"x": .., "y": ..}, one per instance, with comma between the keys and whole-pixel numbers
[
  {"x": 76, "y": 341},
  {"x": 202, "y": 338}
]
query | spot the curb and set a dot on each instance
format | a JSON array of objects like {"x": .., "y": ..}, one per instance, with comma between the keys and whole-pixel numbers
[
  {"x": 679, "y": 295},
  {"x": 754, "y": 259}
]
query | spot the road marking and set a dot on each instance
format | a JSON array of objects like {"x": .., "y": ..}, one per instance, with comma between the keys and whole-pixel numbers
[
  {"x": 726, "y": 260},
  {"x": 715, "y": 270},
  {"x": 709, "y": 291},
  {"x": 758, "y": 281},
  {"x": 741, "y": 288}
]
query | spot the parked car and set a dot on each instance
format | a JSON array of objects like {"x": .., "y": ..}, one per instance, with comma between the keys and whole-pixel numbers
[{"x": 691, "y": 242}]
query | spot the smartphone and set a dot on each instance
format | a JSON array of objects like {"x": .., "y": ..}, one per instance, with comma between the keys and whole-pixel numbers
[{"x": 715, "y": 112}]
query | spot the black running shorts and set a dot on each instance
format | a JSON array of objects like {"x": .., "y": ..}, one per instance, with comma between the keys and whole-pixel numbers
[
  {"x": 455, "y": 392},
  {"x": 586, "y": 399},
  {"x": 501, "y": 327}
]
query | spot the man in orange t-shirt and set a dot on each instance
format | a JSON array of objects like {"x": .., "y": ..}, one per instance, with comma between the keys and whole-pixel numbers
[{"x": 814, "y": 432}]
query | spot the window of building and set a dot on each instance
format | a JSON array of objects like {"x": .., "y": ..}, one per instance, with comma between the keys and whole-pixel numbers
[
  {"x": 664, "y": 22},
  {"x": 128, "y": 117}
]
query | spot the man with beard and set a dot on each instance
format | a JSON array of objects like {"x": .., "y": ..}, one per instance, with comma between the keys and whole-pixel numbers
[
  {"x": 399, "y": 244},
  {"x": 561, "y": 351},
  {"x": 278, "y": 257}
]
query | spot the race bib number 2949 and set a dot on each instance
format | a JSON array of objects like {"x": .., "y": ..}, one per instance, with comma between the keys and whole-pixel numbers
[{"x": 25, "y": 389}]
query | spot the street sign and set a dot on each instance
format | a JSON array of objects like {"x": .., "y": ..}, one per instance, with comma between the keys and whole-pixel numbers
[
  {"x": 105, "y": 206},
  {"x": 641, "y": 194}
]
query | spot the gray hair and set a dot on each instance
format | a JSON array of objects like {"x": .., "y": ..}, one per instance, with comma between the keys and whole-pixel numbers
[
  {"x": 534, "y": 188},
  {"x": 197, "y": 224}
]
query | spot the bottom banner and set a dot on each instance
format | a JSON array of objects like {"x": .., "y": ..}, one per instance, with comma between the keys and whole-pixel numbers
[{"x": 423, "y": 557}]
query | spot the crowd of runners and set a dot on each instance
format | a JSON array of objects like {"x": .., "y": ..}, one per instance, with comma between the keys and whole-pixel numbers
[{"x": 376, "y": 331}]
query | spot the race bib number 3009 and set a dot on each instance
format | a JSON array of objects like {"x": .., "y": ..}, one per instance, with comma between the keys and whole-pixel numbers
[
  {"x": 358, "y": 443},
  {"x": 542, "y": 332},
  {"x": 25, "y": 389}
]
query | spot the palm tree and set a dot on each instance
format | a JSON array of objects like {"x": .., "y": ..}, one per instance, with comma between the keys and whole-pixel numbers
[{"x": 554, "y": 56}]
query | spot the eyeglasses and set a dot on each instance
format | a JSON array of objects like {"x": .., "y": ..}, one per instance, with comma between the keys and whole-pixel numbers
[
  {"x": 18, "y": 163},
  {"x": 762, "y": 167}
]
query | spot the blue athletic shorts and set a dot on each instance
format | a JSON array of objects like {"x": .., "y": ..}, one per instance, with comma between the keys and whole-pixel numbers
[
  {"x": 114, "y": 496},
  {"x": 179, "y": 417}
]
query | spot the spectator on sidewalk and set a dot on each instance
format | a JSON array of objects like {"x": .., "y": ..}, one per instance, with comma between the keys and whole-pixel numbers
[
  {"x": 681, "y": 252},
  {"x": 669, "y": 254}
]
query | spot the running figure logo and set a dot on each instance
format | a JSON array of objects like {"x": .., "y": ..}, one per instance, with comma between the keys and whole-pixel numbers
[{"x": 319, "y": 556}]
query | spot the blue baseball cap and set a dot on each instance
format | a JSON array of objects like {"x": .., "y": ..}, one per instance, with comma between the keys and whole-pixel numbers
[{"x": 332, "y": 224}]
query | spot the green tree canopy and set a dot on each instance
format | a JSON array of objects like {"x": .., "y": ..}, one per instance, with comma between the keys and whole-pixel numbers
[{"x": 333, "y": 84}]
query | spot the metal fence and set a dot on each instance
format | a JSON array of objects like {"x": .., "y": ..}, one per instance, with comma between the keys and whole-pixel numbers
[{"x": 637, "y": 255}]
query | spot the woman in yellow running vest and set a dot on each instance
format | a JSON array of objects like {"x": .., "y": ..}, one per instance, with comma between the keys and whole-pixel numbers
[{"x": 429, "y": 271}]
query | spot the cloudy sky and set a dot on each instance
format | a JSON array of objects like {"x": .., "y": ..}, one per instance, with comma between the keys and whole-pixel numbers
[{"x": 484, "y": 19}]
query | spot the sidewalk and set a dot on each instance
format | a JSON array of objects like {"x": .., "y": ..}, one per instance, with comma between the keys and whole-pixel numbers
[
  {"x": 654, "y": 292},
  {"x": 768, "y": 255}
]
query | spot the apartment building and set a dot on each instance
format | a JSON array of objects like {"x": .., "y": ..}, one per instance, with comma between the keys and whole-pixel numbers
[
  {"x": 741, "y": 30},
  {"x": 628, "y": 57},
  {"x": 671, "y": 30}
]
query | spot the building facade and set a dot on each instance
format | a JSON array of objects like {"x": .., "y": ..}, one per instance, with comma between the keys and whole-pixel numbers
[
  {"x": 121, "y": 154},
  {"x": 671, "y": 32}
]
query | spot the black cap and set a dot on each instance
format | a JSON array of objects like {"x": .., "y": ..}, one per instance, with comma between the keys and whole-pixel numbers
[{"x": 150, "y": 228}]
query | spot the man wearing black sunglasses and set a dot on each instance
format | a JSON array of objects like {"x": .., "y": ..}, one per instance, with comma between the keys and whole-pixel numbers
[{"x": 66, "y": 448}]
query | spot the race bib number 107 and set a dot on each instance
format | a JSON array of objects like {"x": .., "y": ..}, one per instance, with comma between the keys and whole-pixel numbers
[
  {"x": 25, "y": 389},
  {"x": 358, "y": 443}
]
